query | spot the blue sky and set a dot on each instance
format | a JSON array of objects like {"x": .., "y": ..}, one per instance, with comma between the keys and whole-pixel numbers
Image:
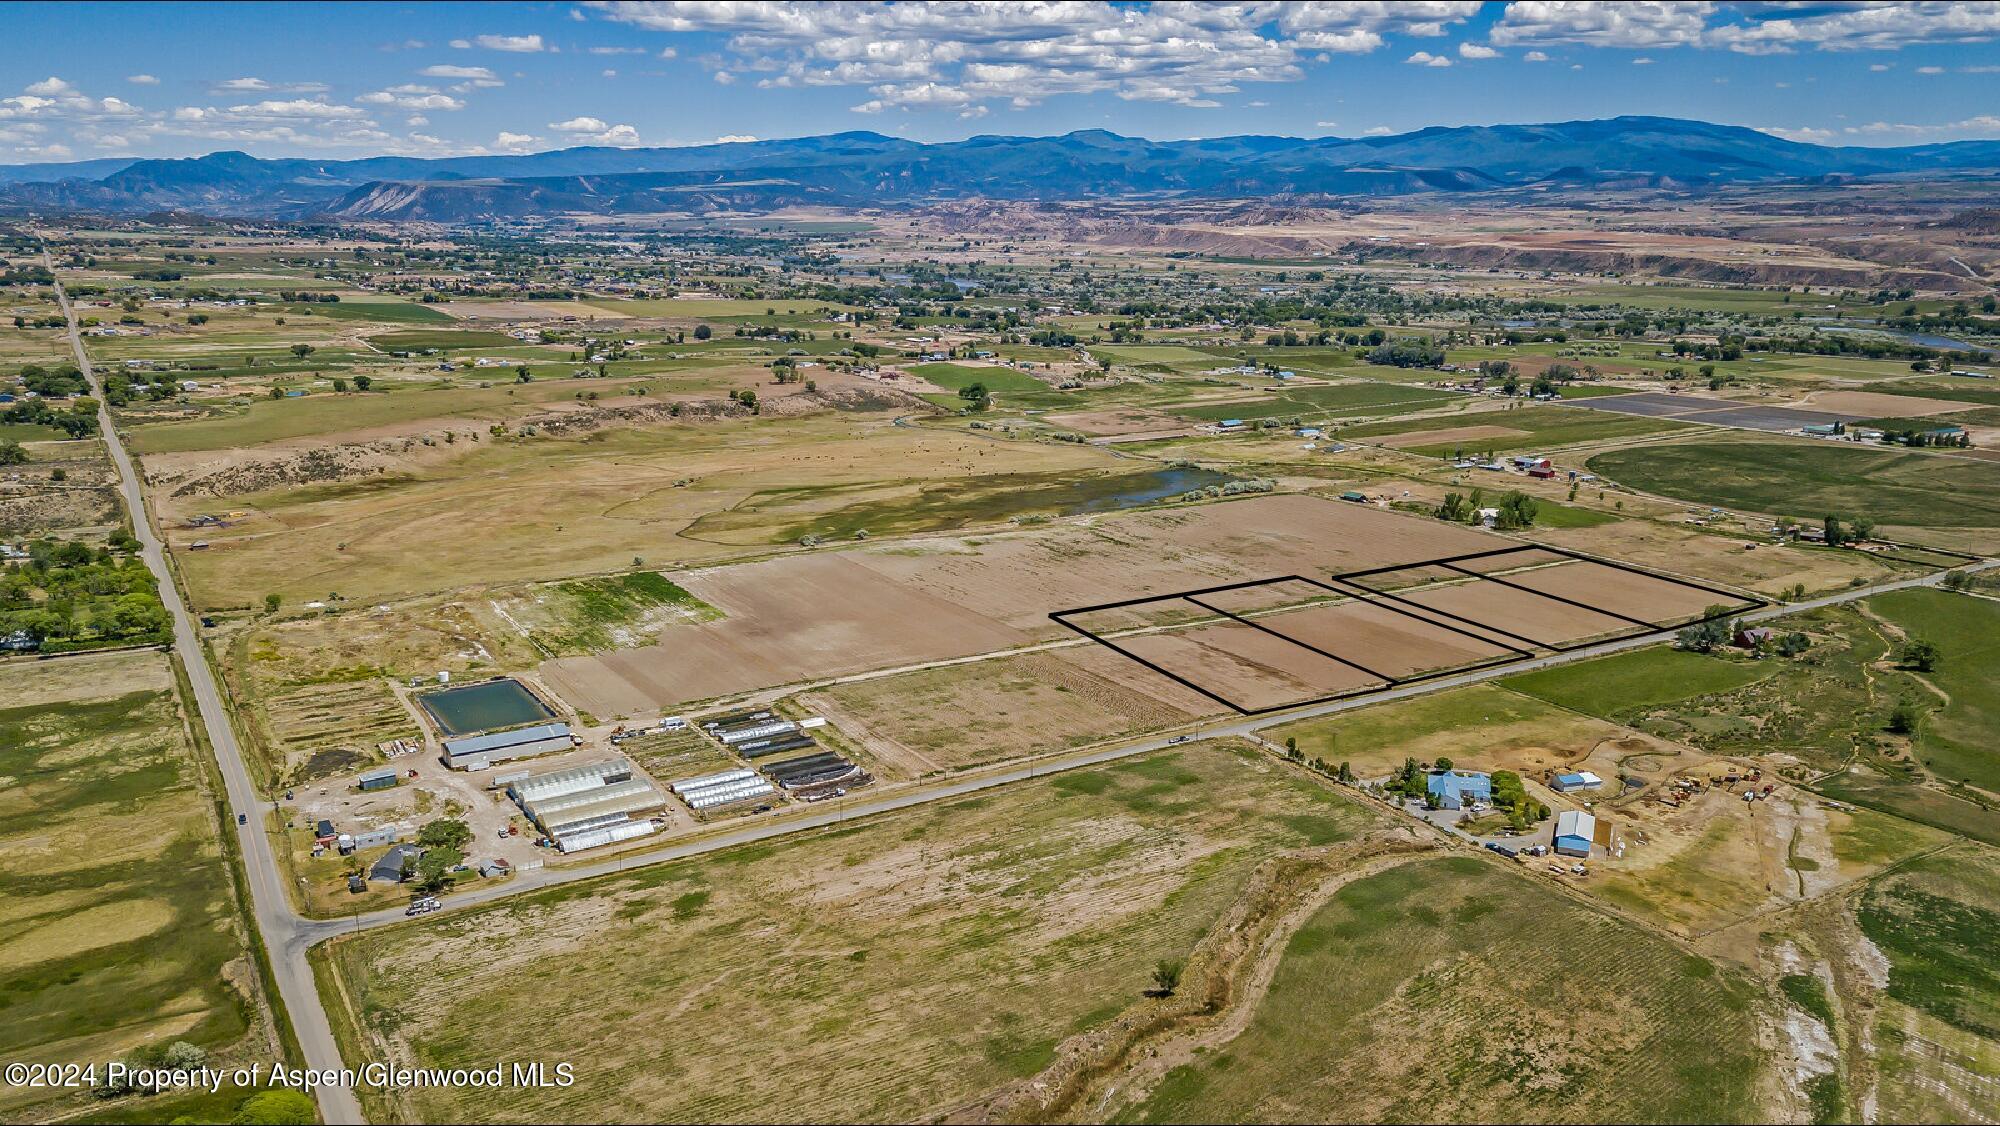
[{"x": 344, "y": 80}]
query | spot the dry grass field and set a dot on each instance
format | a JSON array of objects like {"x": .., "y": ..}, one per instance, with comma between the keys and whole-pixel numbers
[
  {"x": 550, "y": 508},
  {"x": 315, "y": 690},
  {"x": 963, "y": 715},
  {"x": 884, "y": 972},
  {"x": 1767, "y": 568},
  {"x": 1478, "y": 727},
  {"x": 1718, "y": 860}
]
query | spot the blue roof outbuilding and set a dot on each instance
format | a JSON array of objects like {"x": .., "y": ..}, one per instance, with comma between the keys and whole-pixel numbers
[
  {"x": 1456, "y": 787},
  {"x": 1575, "y": 780},
  {"x": 1575, "y": 832}
]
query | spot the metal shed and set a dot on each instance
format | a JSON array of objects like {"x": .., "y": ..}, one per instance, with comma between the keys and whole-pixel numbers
[
  {"x": 1576, "y": 780},
  {"x": 477, "y": 752},
  {"x": 1575, "y": 831}
]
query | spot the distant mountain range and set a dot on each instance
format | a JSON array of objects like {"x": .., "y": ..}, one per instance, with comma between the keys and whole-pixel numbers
[{"x": 870, "y": 169}]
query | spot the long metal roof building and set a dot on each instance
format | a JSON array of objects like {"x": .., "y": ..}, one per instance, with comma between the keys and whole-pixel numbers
[
  {"x": 474, "y": 752},
  {"x": 570, "y": 780}
]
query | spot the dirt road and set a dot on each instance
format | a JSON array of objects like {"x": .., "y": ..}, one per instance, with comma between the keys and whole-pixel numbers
[{"x": 276, "y": 921}]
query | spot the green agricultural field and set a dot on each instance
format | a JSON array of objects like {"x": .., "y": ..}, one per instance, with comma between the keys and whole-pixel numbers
[
  {"x": 1938, "y": 922},
  {"x": 1626, "y": 683},
  {"x": 1450, "y": 990},
  {"x": 1804, "y": 479},
  {"x": 955, "y": 377},
  {"x": 117, "y": 928},
  {"x": 1312, "y": 403},
  {"x": 1978, "y": 416},
  {"x": 1542, "y": 428},
  {"x": 714, "y": 308},
  {"x": 444, "y": 340},
  {"x": 29, "y": 432},
  {"x": 1311, "y": 358},
  {"x": 1752, "y": 302},
  {"x": 1814, "y": 708},
  {"x": 395, "y": 312},
  {"x": 1170, "y": 355},
  {"x": 1961, "y": 741},
  {"x": 886, "y": 971},
  {"x": 1927, "y": 806},
  {"x": 1552, "y": 514}
]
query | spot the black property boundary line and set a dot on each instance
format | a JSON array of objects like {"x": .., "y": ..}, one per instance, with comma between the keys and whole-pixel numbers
[
  {"x": 1418, "y": 611},
  {"x": 1301, "y": 644},
  {"x": 1514, "y": 654},
  {"x": 1743, "y": 603}
]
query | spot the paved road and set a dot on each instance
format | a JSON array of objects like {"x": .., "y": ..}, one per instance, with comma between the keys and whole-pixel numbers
[
  {"x": 289, "y": 936},
  {"x": 275, "y": 919}
]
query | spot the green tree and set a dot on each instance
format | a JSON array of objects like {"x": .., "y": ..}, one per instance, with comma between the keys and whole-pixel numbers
[
  {"x": 12, "y": 453},
  {"x": 1517, "y": 510},
  {"x": 303, "y": 350},
  {"x": 976, "y": 397},
  {"x": 445, "y": 832},
  {"x": 1907, "y": 718},
  {"x": 279, "y": 1106},
  {"x": 1455, "y": 509},
  {"x": 434, "y": 868},
  {"x": 363, "y": 382},
  {"x": 1167, "y": 976},
  {"x": 1921, "y": 655},
  {"x": 702, "y": 332},
  {"x": 1704, "y": 637},
  {"x": 272, "y": 602}
]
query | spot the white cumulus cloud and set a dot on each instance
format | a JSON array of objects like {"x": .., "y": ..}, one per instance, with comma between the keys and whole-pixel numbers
[{"x": 520, "y": 44}]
